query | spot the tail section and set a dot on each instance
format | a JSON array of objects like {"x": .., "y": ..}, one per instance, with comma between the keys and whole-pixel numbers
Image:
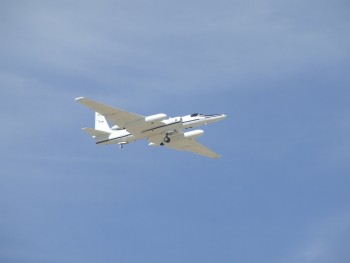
[
  {"x": 101, "y": 131},
  {"x": 101, "y": 123},
  {"x": 95, "y": 133}
]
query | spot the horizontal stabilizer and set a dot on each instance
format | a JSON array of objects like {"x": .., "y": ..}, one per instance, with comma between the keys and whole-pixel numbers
[{"x": 95, "y": 133}]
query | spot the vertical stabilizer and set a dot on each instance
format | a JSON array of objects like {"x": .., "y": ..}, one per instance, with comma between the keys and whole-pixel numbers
[{"x": 101, "y": 123}]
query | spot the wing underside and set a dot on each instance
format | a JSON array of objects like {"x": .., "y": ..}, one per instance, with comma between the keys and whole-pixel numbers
[
  {"x": 117, "y": 116},
  {"x": 181, "y": 143},
  {"x": 133, "y": 123}
]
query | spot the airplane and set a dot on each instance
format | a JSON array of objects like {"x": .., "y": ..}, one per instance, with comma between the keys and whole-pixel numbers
[{"x": 158, "y": 129}]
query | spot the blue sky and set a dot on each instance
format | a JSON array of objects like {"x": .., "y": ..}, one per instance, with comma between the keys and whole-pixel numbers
[{"x": 278, "y": 69}]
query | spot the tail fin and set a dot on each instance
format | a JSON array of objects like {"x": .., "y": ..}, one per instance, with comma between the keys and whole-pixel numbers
[{"x": 101, "y": 123}]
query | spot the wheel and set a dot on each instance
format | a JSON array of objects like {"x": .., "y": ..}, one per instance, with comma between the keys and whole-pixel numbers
[{"x": 167, "y": 139}]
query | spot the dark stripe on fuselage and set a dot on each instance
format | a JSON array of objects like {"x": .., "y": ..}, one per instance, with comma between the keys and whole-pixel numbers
[
  {"x": 160, "y": 127},
  {"x": 114, "y": 139},
  {"x": 206, "y": 116},
  {"x": 141, "y": 132}
]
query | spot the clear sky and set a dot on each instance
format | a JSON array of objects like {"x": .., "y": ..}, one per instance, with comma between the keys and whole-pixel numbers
[{"x": 280, "y": 70}]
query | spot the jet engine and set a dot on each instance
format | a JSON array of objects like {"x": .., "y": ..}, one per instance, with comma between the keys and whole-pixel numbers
[
  {"x": 157, "y": 117},
  {"x": 193, "y": 134}
]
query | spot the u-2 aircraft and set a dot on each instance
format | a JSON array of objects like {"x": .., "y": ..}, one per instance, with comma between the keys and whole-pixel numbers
[{"x": 158, "y": 129}]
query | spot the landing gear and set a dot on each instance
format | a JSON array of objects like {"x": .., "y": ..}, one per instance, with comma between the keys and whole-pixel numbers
[
  {"x": 121, "y": 145},
  {"x": 167, "y": 139}
]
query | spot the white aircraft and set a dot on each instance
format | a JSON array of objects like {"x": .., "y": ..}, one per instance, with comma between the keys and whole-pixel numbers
[{"x": 157, "y": 129}]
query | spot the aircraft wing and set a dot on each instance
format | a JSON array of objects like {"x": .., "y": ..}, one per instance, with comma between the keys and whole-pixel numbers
[
  {"x": 117, "y": 116},
  {"x": 185, "y": 144}
]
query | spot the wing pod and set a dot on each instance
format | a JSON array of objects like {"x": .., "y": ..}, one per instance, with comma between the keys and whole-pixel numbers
[
  {"x": 193, "y": 134},
  {"x": 116, "y": 128},
  {"x": 157, "y": 117}
]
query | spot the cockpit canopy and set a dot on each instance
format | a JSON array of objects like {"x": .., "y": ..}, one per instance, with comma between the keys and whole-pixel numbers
[{"x": 197, "y": 114}]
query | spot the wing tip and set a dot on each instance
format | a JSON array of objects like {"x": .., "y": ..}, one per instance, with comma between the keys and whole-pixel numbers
[{"x": 79, "y": 98}]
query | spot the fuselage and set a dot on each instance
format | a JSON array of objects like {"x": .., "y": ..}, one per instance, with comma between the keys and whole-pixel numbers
[{"x": 165, "y": 127}]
